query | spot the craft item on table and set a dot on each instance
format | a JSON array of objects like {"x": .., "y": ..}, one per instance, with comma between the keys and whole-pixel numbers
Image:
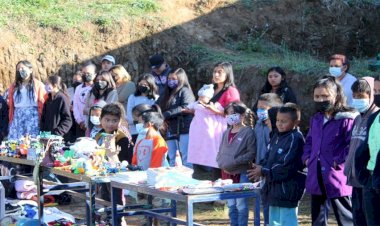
[
  {"x": 34, "y": 149},
  {"x": 135, "y": 177},
  {"x": 221, "y": 183},
  {"x": 200, "y": 191},
  {"x": 108, "y": 142},
  {"x": 84, "y": 147},
  {"x": 52, "y": 214},
  {"x": 25, "y": 189},
  {"x": 240, "y": 187}
]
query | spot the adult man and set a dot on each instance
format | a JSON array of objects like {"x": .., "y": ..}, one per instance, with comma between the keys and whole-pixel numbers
[
  {"x": 160, "y": 71},
  {"x": 107, "y": 62}
]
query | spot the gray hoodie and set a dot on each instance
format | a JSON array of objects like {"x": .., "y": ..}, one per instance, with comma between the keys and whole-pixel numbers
[{"x": 358, "y": 135}]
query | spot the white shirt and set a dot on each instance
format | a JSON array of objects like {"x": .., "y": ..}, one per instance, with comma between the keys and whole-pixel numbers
[
  {"x": 132, "y": 102},
  {"x": 346, "y": 83},
  {"x": 79, "y": 102},
  {"x": 24, "y": 100}
]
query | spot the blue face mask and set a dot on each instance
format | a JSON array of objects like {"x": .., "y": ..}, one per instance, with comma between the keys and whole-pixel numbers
[
  {"x": 361, "y": 105},
  {"x": 262, "y": 114},
  {"x": 141, "y": 129},
  {"x": 335, "y": 71}
]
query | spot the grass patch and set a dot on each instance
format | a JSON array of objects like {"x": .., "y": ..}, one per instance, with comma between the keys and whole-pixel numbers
[
  {"x": 65, "y": 14},
  {"x": 267, "y": 55}
]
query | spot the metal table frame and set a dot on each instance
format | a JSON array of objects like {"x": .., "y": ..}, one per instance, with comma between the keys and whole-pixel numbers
[
  {"x": 189, "y": 200},
  {"x": 90, "y": 189}
]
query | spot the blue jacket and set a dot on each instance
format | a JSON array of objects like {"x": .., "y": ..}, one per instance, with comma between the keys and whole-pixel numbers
[{"x": 282, "y": 169}]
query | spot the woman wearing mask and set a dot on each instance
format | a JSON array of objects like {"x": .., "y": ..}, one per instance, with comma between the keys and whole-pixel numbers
[
  {"x": 103, "y": 89},
  {"x": 124, "y": 86},
  {"x": 177, "y": 96},
  {"x": 26, "y": 98},
  {"x": 146, "y": 93},
  {"x": 56, "y": 117}
]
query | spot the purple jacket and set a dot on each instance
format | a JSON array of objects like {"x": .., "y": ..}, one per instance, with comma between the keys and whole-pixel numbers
[{"x": 329, "y": 143}]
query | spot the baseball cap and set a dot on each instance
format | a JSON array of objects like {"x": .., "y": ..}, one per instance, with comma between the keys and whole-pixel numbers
[
  {"x": 109, "y": 58},
  {"x": 156, "y": 61}
]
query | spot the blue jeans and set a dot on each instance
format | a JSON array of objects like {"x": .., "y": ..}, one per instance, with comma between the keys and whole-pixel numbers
[
  {"x": 238, "y": 208},
  {"x": 182, "y": 145},
  {"x": 283, "y": 216}
]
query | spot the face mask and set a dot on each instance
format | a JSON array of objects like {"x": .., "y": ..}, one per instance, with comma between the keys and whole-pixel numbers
[
  {"x": 100, "y": 85},
  {"x": 23, "y": 74},
  {"x": 262, "y": 114},
  {"x": 48, "y": 88},
  {"x": 95, "y": 120},
  {"x": 360, "y": 104},
  {"x": 88, "y": 77},
  {"x": 376, "y": 100},
  {"x": 233, "y": 119},
  {"x": 143, "y": 89},
  {"x": 141, "y": 129},
  {"x": 323, "y": 106},
  {"x": 172, "y": 84},
  {"x": 335, "y": 71}
]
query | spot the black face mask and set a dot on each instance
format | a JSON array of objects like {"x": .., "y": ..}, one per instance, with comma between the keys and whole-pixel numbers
[
  {"x": 143, "y": 89},
  {"x": 100, "y": 85},
  {"x": 323, "y": 106},
  {"x": 376, "y": 100}
]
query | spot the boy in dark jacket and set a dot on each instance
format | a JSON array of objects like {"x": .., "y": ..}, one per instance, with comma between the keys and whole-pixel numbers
[
  {"x": 3, "y": 118},
  {"x": 281, "y": 168},
  {"x": 367, "y": 164}
]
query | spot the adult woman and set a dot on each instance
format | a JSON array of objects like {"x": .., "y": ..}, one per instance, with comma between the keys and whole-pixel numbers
[
  {"x": 225, "y": 92},
  {"x": 103, "y": 89},
  {"x": 26, "y": 99},
  {"x": 146, "y": 93},
  {"x": 177, "y": 96},
  {"x": 56, "y": 117},
  {"x": 124, "y": 86},
  {"x": 276, "y": 83}
]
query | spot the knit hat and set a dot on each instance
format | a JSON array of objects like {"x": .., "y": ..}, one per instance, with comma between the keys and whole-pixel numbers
[{"x": 206, "y": 91}]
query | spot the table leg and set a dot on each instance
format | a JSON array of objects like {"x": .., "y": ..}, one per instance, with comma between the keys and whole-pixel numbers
[
  {"x": 114, "y": 199},
  {"x": 40, "y": 196},
  {"x": 91, "y": 205},
  {"x": 174, "y": 210},
  {"x": 190, "y": 212},
  {"x": 150, "y": 203},
  {"x": 256, "y": 218}
]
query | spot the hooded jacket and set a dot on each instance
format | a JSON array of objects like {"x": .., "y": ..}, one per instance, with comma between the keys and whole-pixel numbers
[
  {"x": 358, "y": 136},
  {"x": 328, "y": 143}
]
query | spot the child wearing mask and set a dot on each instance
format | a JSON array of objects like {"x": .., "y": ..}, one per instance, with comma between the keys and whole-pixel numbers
[
  {"x": 236, "y": 152},
  {"x": 325, "y": 152},
  {"x": 281, "y": 168},
  {"x": 93, "y": 121},
  {"x": 367, "y": 163}
]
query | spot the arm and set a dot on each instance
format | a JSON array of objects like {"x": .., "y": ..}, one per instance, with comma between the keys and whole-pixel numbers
[
  {"x": 76, "y": 103},
  {"x": 127, "y": 90},
  {"x": 159, "y": 149},
  {"x": 112, "y": 97},
  {"x": 344, "y": 145},
  {"x": 308, "y": 145},
  {"x": 185, "y": 97},
  {"x": 65, "y": 123},
  {"x": 130, "y": 106},
  {"x": 290, "y": 96},
  {"x": 88, "y": 103},
  {"x": 289, "y": 165},
  {"x": 250, "y": 154}
]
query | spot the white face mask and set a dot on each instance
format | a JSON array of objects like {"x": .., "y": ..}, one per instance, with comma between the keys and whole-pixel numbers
[
  {"x": 335, "y": 71},
  {"x": 95, "y": 120},
  {"x": 141, "y": 129}
]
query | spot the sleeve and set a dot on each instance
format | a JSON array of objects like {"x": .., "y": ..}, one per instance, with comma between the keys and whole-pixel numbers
[
  {"x": 88, "y": 104},
  {"x": 185, "y": 97},
  {"x": 308, "y": 143},
  {"x": 65, "y": 120},
  {"x": 192, "y": 105},
  {"x": 4, "y": 119},
  {"x": 130, "y": 106},
  {"x": 290, "y": 96},
  {"x": 344, "y": 146},
  {"x": 289, "y": 166},
  {"x": 76, "y": 109},
  {"x": 123, "y": 144},
  {"x": 251, "y": 148},
  {"x": 112, "y": 97},
  {"x": 159, "y": 149},
  {"x": 128, "y": 89},
  {"x": 230, "y": 95}
]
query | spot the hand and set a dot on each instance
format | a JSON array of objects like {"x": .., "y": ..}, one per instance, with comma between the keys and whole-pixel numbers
[
  {"x": 255, "y": 172},
  {"x": 82, "y": 126}
]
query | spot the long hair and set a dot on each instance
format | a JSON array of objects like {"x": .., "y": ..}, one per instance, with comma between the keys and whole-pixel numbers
[
  {"x": 151, "y": 84},
  {"x": 267, "y": 88},
  {"x": 56, "y": 80},
  {"x": 227, "y": 68},
  {"x": 335, "y": 89},
  {"x": 242, "y": 109},
  {"x": 169, "y": 94},
  {"x": 123, "y": 74},
  {"x": 110, "y": 85},
  {"x": 18, "y": 82}
]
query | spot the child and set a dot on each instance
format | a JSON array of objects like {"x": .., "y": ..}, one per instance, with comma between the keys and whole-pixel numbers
[
  {"x": 284, "y": 184},
  {"x": 237, "y": 150},
  {"x": 93, "y": 121},
  {"x": 362, "y": 92},
  {"x": 137, "y": 112},
  {"x": 56, "y": 115},
  {"x": 367, "y": 164},
  {"x": 325, "y": 152},
  {"x": 206, "y": 129},
  {"x": 150, "y": 152},
  {"x": 110, "y": 121}
]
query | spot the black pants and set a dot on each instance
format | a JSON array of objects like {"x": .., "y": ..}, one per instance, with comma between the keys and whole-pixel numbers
[
  {"x": 320, "y": 206},
  {"x": 371, "y": 199},
  {"x": 79, "y": 132},
  {"x": 358, "y": 210}
]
